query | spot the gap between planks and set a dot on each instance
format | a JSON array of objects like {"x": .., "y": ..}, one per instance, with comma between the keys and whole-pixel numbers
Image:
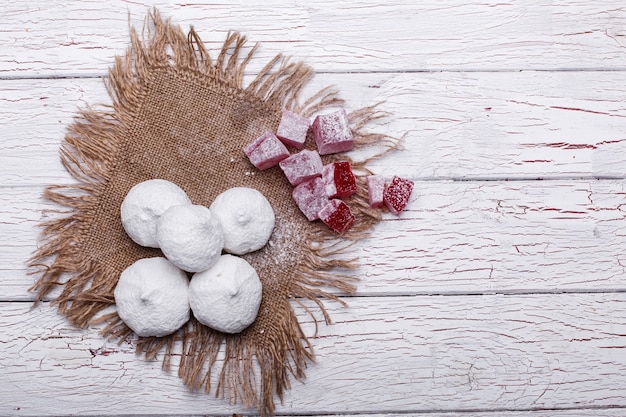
[{"x": 103, "y": 75}]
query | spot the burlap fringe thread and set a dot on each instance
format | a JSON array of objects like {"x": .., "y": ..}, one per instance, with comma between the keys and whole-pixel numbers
[{"x": 89, "y": 152}]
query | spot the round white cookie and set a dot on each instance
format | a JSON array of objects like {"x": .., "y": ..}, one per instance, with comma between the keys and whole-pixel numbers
[
  {"x": 151, "y": 297},
  {"x": 247, "y": 219},
  {"x": 144, "y": 204},
  {"x": 190, "y": 237},
  {"x": 226, "y": 297}
]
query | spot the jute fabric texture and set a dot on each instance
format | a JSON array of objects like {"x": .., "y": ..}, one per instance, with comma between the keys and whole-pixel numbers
[{"x": 180, "y": 114}]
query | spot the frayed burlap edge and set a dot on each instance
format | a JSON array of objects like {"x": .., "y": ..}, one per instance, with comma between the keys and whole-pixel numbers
[{"x": 89, "y": 152}]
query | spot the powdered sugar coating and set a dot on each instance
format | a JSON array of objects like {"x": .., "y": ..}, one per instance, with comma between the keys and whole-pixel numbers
[
  {"x": 292, "y": 129},
  {"x": 226, "y": 297},
  {"x": 332, "y": 133},
  {"x": 144, "y": 204},
  {"x": 375, "y": 190},
  {"x": 302, "y": 166},
  {"x": 266, "y": 151},
  {"x": 247, "y": 219},
  {"x": 337, "y": 215},
  {"x": 151, "y": 297},
  {"x": 190, "y": 237},
  {"x": 339, "y": 179},
  {"x": 397, "y": 194},
  {"x": 310, "y": 197}
]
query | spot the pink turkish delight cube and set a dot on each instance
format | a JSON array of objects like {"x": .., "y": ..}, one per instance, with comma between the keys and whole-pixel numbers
[
  {"x": 310, "y": 196},
  {"x": 292, "y": 129},
  {"x": 332, "y": 133},
  {"x": 337, "y": 215},
  {"x": 266, "y": 151},
  {"x": 302, "y": 166},
  {"x": 339, "y": 179},
  {"x": 375, "y": 190},
  {"x": 397, "y": 194}
]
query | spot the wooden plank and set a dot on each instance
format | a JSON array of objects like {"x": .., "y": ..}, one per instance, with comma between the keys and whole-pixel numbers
[
  {"x": 81, "y": 36},
  {"x": 382, "y": 355},
  {"x": 457, "y": 126},
  {"x": 455, "y": 238},
  {"x": 588, "y": 412}
]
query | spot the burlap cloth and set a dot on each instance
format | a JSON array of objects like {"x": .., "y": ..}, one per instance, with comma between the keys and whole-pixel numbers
[{"x": 181, "y": 115}]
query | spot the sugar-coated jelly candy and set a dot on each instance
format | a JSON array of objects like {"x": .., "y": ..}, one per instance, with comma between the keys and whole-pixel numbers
[
  {"x": 292, "y": 129},
  {"x": 302, "y": 166},
  {"x": 310, "y": 197},
  {"x": 375, "y": 190},
  {"x": 337, "y": 215},
  {"x": 397, "y": 194},
  {"x": 266, "y": 151},
  {"x": 332, "y": 133},
  {"x": 339, "y": 179}
]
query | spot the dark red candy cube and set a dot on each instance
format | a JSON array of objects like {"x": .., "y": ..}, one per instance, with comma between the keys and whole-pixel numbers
[
  {"x": 332, "y": 133},
  {"x": 339, "y": 179},
  {"x": 375, "y": 190},
  {"x": 397, "y": 194},
  {"x": 302, "y": 166},
  {"x": 310, "y": 196},
  {"x": 292, "y": 129},
  {"x": 266, "y": 151},
  {"x": 337, "y": 215}
]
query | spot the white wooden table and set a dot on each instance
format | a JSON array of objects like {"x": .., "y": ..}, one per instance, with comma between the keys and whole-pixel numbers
[{"x": 501, "y": 291}]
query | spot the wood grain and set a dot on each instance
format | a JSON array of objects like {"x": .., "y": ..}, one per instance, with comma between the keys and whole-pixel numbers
[
  {"x": 400, "y": 354},
  {"x": 455, "y": 125},
  {"x": 454, "y": 238},
  {"x": 82, "y": 36}
]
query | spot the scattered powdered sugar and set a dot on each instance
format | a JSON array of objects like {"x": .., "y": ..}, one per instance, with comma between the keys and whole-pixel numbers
[{"x": 281, "y": 249}]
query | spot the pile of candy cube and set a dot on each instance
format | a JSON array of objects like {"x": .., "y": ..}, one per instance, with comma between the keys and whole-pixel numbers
[{"x": 318, "y": 188}]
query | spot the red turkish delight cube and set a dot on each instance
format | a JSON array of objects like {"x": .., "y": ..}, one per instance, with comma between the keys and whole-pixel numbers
[
  {"x": 292, "y": 129},
  {"x": 310, "y": 196},
  {"x": 397, "y": 193},
  {"x": 302, "y": 166},
  {"x": 375, "y": 190},
  {"x": 266, "y": 151},
  {"x": 337, "y": 215},
  {"x": 332, "y": 133},
  {"x": 339, "y": 179}
]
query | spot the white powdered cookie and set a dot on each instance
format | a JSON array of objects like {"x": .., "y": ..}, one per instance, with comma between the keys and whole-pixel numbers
[
  {"x": 226, "y": 297},
  {"x": 151, "y": 297},
  {"x": 190, "y": 237},
  {"x": 144, "y": 204},
  {"x": 247, "y": 219}
]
